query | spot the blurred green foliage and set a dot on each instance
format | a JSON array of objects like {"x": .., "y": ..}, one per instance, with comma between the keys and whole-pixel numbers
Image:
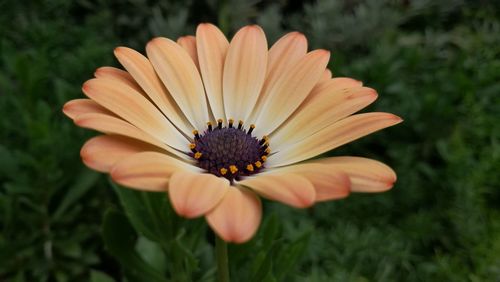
[{"x": 435, "y": 63}]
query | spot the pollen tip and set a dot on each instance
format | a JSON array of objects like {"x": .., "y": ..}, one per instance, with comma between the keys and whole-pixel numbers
[
  {"x": 258, "y": 164},
  {"x": 192, "y": 146},
  {"x": 250, "y": 167},
  {"x": 223, "y": 171},
  {"x": 197, "y": 155},
  {"x": 263, "y": 158},
  {"x": 233, "y": 169}
]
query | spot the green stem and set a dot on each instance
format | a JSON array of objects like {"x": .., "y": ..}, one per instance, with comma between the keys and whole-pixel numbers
[{"x": 222, "y": 261}]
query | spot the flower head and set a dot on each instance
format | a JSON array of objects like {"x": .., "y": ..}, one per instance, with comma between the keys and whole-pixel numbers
[{"x": 216, "y": 124}]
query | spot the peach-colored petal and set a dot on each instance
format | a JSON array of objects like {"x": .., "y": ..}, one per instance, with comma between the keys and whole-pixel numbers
[
  {"x": 102, "y": 152},
  {"x": 194, "y": 194},
  {"x": 291, "y": 189},
  {"x": 134, "y": 108},
  {"x": 181, "y": 77},
  {"x": 333, "y": 136},
  {"x": 148, "y": 171},
  {"x": 290, "y": 90},
  {"x": 237, "y": 217},
  {"x": 76, "y": 107},
  {"x": 113, "y": 125},
  {"x": 337, "y": 83},
  {"x": 188, "y": 42},
  {"x": 327, "y": 75},
  {"x": 366, "y": 175},
  {"x": 212, "y": 49},
  {"x": 284, "y": 54},
  {"x": 143, "y": 73},
  {"x": 320, "y": 111},
  {"x": 244, "y": 72},
  {"x": 120, "y": 75},
  {"x": 329, "y": 182}
]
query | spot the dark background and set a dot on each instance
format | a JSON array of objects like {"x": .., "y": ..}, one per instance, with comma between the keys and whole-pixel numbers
[{"x": 434, "y": 63}]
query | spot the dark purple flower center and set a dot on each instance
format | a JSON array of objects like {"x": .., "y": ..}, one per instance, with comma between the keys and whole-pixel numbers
[{"x": 229, "y": 151}]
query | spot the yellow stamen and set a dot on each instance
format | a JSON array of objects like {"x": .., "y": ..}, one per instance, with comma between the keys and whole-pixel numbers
[
  {"x": 252, "y": 127},
  {"x": 250, "y": 167},
  {"x": 197, "y": 155},
  {"x": 192, "y": 146},
  {"x": 263, "y": 158},
  {"x": 258, "y": 164},
  {"x": 223, "y": 171},
  {"x": 195, "y": 132},
  {"x": 268, "y": 150},
  {"x": 233, "y": 169}
]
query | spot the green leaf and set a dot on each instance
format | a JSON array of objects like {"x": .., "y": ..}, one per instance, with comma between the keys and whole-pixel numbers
[
  {"x": 120, "y": 239},
  {"x": 266, "y": 266},
  {"x": 99, "y": 276},
  {"x": 85, "y": 181},
  {"x": 152, "y": 253},
  {"x": 148, "y": 212},
  {"x": 290, "y": 255},
  {"x": 270, "y": 231}
]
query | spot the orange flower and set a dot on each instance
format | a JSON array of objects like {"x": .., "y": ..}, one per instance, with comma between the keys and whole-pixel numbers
[{"x": 217, "y": 124}]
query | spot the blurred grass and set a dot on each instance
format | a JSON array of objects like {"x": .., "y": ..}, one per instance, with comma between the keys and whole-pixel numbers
[{"x": 435, "y": 63}]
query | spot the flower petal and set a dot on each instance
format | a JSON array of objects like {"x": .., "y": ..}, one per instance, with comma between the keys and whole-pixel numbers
[
  {"x": 194, "y": 194},
  {"x": 334, "y": 84},
  {"x": 329, "y": 182},
  {"x": 134, "y": 108},
  {"x": 333, "y": 136},
  {"x": 212, "y": 49},
  {"x": 291, "y": 189},
  {"x": 148, "y": 171},
  {"x": 188, "y": 42},
  {"x": 244, "y": 72},
  {"x": 326, "y": 76},
  {"x": 113, "y": 125},
  {"x": 320, "y": 111},
  {"x": 119, "y": 75},
  {"x": 284, "y": 54},
  {"x": 290, "y": 90},
  {"x": 144, "y": 74},
  {"x": 237, "y": 217},
  {"x": 76, "y": 107},
  {"x": 366, "y": 175},
  {"x": 181, "y": 77},
  {"x": 102, "y": 152}
]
